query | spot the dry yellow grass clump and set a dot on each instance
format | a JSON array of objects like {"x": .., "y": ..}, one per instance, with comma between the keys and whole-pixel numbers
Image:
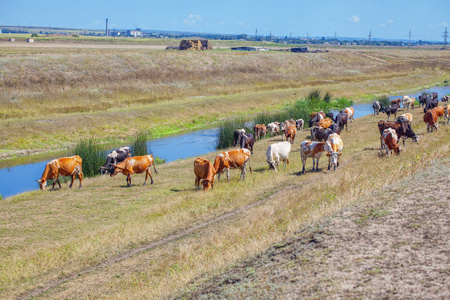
[{"x": 111, "y": 241}]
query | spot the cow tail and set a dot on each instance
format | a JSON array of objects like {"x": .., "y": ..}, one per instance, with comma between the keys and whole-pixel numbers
[{"x": 154, "y": 167}]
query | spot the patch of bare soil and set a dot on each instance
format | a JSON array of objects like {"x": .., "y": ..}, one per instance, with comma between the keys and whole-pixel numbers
[{"x": 392, "y": 244}]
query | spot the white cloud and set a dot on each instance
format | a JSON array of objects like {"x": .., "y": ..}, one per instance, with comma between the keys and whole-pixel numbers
[
  {"x": 383, "y": 25},
  {"x": 243, "y": 25},
  {"x": 193, "y": 20},
  {"x": 390, "y": 21},
  {"x": 443, "y": 24},
  {"x": 354, "y": 19}
]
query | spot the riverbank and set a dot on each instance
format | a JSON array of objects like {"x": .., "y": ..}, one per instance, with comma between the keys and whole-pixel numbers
[
  {"x": 107, "y": 240},
  {"x": 64, "y": 95}
]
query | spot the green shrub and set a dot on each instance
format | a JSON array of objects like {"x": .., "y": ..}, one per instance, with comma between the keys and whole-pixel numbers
[
  {"x": 34, "y": 35},
  {"x": 92, "y": 154},
  {"x": 139, "y": 146},
  {"x": 384, "y": 100}
]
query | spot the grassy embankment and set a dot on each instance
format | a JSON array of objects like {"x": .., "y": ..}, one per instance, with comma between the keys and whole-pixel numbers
[
  {"x": 51, "y": 235},
  {"x": 53, "y": 97}
]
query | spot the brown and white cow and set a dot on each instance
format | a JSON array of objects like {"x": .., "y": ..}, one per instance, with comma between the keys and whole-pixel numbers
[
  {"x": 314, "y": 150},
  {"x": 336, "y": 147},
  {"x": 446, "y": 113},
  {"x": 316, "y": 117},
  {"x": 389, "y": 141},
  {"x": 402, "y": 130},
  {"x": 405, "y": 117},
  {"x": 396, "y": 102},
  {"x": 408, "y": 102},
  {"x": 64, "y": 166},
  {"x": 290, "y": 133},
  {"x": 135, "y": 165},
  {"x": 350, "y": 113},
  {"x": 260, "y": 131},
  {"x": 234, "y": 159},
  {"x": 430, "y": 118},
  {"x": 273, "y": 128},
  {"x": 204, "y": 173},
  {"x": 325, "y": 123}
]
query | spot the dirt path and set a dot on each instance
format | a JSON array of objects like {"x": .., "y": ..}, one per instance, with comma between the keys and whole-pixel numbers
[{"x": 392, "y": 244}]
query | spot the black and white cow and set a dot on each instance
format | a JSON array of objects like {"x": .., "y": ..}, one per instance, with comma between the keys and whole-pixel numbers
[
  {"x": 431, "y": 103},
  {"x": 376, "y": 107},
  {"x": 115, "y": 157}
]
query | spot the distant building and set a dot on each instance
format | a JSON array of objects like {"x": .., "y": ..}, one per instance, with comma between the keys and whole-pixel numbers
[
  {"x": 136, "y": 33},
  {"x": 30, "y": 40},
  {"x": 300, "y": 49}
]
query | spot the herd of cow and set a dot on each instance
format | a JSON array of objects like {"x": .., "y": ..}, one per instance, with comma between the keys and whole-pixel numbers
[{"x": 325, "y": 138}]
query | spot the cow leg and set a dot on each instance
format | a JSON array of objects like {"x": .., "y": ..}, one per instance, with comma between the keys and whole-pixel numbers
[
  {"x": 314, "y": 163},
  {"x": 317, "y": 164},
  {"x": 197, "y": 182},
  {"x": 151, "y": 177},
  {"x": 73, "y": 180},
  {"x": 129, "y": 180},
  {"x": 303, "y": 162},
  {"x": 54, "y": 182},
  {"x": 80, "y": 177},
  {"x": 329, "y": 163},
  {"x": 228, "y": 174}
]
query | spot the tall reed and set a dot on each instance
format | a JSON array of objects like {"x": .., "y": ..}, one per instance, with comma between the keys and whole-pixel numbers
[
  {"x": 139, "y": 146},
  {"x": 92, "y": 154}
]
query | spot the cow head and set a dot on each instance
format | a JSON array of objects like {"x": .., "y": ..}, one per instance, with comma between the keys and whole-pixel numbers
[
  {"x": 334, "y": 158},
  {"x": 271, "y": 165},
  {"x": 42, "y": 184},
  {"x": 207, "y": 184},
  {"x": 114, "y": 170}
]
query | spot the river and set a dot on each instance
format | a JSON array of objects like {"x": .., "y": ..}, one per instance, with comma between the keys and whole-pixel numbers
[{"x": 19, "y": 179}]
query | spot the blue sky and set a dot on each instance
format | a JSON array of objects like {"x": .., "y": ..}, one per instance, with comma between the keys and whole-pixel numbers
[{"x": 391, "y": 19}]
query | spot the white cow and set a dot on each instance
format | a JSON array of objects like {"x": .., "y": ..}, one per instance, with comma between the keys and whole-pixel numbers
[
  {"x": 278, "y": 152},
  {"x": 336, "y": 147},
  {"x": 273, "y": 128}
]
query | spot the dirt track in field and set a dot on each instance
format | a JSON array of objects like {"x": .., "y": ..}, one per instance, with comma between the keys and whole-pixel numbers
[{"x": 392, "y": 244}]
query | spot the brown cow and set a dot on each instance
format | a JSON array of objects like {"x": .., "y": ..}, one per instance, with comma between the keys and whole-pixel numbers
[
  {"x": 260, "y": 131},
  {"x": 135, "y": 165},
  {"x": 316, "y": 117},
  {"x": 290, "y": 133},
  {"x": 325, "y": 123},
  {"x": 430, "y": 118},
  {"x": 446, "y": 113},
  {"x": 402, "y": 130},
  {"x": 234, "y": 159},
  {"x": 439, "y": 111},
  {"x": 204, "y": 173},
  {"x": 314, "y": 150},
  {"x": 65, "y": 166},
  {"x": 396, "y": 101},
  {"x": 389, "y": 142}
]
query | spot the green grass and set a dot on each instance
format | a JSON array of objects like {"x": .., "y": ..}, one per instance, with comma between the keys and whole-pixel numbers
[{"x": 93, "y": 156}]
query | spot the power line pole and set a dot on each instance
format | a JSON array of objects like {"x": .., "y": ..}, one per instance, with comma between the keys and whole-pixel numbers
[
  {"x": 445, "y": 38},
  {"x": 409, "y": 40},
  {"x": 370, "y": 37},
  {"x": 335, "y": 39}
]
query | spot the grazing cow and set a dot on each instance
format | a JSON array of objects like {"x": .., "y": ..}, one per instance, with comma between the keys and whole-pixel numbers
[
  {"x": 390, "y": 110},
  {"x": 135, "y": 165},
  {"x": 445, "y": 100},
  {"x": 389, "y": 141},
  {"x": 278, "y": 152},
  {"x": 234, "y": 159},
  {"x": 396, "y": 101},
  {"x": 300, "y": 124},
  {"x": 64, "y": 166},
  {"x": 247, "y": 141},
  {"x": 313, "y": 149},
  {"x": 430, "y": 118},
  {"x": 376, "y": 107},
  {"x": 422, "y": 100},
  {"x": 316, "y": 117},
  {"x": 341, "y": 120},
  {"x": 431, "y": 103},
  {"x": 336, "y": 146},
  {"x": 408, "y": 102},
  {"x": 320, "y": 134},
  {"x": 325, "y": 123},
  {"x": 335, "y": 128},
  {"x": 237, "y": 136},
  {"x": 329, "y": 115},
  {"x": 434, "y": 95},
  {"x": 115, "y": 157},
  {"x": 446, "y": 113},
  {"x": 402, "y": 130},
  {"x": 260, "y": 131},
  {"x": 273, "y": 128},
  {"x": 204, "y": 173},
  {"x": 439, "y": 111},
  {"x": 406, "y": 117},
  {"x": 290, "y": 133},
  {"x": 350, "y": 113}
]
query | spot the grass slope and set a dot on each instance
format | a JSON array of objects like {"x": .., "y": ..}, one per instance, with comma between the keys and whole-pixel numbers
[{"x": 67, "y": 234}]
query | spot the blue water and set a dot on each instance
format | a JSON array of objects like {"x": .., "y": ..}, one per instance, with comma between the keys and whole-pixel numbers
[{"x": 23, "y": 178}]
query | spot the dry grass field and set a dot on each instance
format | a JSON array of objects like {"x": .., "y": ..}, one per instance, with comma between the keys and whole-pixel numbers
[
  {"x": 110, "y": 241},
  {"x": 51, "y": 97}
]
